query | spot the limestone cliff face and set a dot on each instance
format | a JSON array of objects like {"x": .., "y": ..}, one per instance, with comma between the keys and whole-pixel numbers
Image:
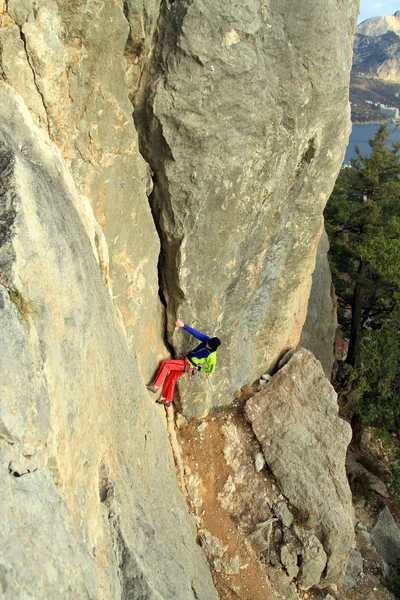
[
  {"x": 67, "y": 60},
  {"x": 90, "y": 505},
  {"x": 243, "y": 115}
]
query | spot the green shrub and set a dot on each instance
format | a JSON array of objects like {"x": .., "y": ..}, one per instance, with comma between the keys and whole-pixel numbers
[
  {"x": 394, "y": 581},
  {"x": 395, "y": 477},
  {"x": 373, "y": 467}
]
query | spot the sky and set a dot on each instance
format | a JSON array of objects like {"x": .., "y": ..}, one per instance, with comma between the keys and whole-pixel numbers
[{"x": 373, "y": 8}]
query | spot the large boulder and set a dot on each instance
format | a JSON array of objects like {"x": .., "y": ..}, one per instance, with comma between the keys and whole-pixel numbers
[
  {"x": 295, "y": 418},
  {"x": 385, "y": 537},
  {"x": 90, "y": 504},
  {"x": 243, "y": 115}
]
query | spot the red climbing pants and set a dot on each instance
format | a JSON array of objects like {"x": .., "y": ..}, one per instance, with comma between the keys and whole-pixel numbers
[{"x": 170, "y": 371}]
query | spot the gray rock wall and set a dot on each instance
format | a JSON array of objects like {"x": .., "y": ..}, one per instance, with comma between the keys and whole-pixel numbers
[
  {"x": 69, "y": 61},
  {"x": 320, "y": 327},
  {"x": 243, "y": 114},
  {"x": 90, "y": 504}
]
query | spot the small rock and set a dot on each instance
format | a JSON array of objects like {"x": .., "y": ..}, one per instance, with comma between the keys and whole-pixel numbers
[
  {"x": 361, "y": 503},
  {"x": 188, "y": 470},
  {"x": 367, "y": 537},
  {"x": 278, "y": 535},
  {"x": 361, "y": 526},
  {"x": 262, "y": 382},
  {"x": 216, "y": 563},
  {"x": 313, "y": 562},
  {"x": 211, "y": 545},
  {"x": 289, "y": 560},
  {"x": 377, "y": 485},
  {"x": 333, "y": 588},
  {"x": 285, "y": 358},
  {"x": 232, "y": 566},
  {"x": 259, "y": 461},
  {"x": 266, "y": 377},
  {"x": 193, "y": 489},
  {"x": 349, "y": 582},
  {"x": 274, "y": 559},
  {"x": 366, "y": 436},
  {"x": 202, "y": 426},
  {"x": 285, "y": 587},
  {"x": 283, "y": 513},
  {"x": 261, "y": 536},
  {"x": 229, "y": 487},
  {"x": 385, "y": 537},
  {"x": 180, "y": 421},
  {"x": 329, "y": 597},
  {"x": 355, "y": 562}
]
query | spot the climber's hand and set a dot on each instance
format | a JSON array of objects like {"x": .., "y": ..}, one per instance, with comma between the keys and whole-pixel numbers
[{"x": 179, "y": 323}]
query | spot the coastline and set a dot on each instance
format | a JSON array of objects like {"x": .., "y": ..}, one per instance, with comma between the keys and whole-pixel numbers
[
  {"x": 380, "y": 122},
  {"x": 361, "y": 133}
]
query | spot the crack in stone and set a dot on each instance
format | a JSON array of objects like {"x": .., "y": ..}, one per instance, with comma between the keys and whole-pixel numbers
[
  {"x": 23, "y": 39},
  {"x": 138, "y": 99},
  {"x": 20, "y": 472},
  {"x": 6, "y": 440}
]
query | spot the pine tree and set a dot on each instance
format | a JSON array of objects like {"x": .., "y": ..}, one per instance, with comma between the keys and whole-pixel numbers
[{"x": 363, "y": 225}]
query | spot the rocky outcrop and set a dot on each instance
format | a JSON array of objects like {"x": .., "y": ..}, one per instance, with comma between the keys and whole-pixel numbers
[
  {"x": 243, "y": 116},
  {"x": 320, "y": 327},
  {"x": 376, "y": 26},
  {"x": 378, "y": 56},
  {"x": 88, "y": 484},
  {"x": 376, "y": 48},
  {"x": 295, "y": 419}
]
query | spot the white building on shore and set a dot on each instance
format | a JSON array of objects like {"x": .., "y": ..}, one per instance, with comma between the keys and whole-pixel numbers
[{"x": 389, "y": 111}]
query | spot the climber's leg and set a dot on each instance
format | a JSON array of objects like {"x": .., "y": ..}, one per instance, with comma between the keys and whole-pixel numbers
[
  {"x": 167, "y": 365},
  {"x": 169, "y": 386}
]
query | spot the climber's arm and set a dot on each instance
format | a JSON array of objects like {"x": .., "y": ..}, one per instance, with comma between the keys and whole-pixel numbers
[{"x": 197, "y": 334}]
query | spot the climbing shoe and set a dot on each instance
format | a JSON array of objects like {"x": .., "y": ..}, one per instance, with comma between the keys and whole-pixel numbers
[
  {"x": 161, "y": 401},
  {"x": 152, "y": 388}
]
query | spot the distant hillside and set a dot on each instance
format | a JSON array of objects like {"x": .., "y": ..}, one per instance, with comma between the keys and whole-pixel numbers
[
  {"x": 380, "y": 25},
  {"x": 375, "y": 75}
]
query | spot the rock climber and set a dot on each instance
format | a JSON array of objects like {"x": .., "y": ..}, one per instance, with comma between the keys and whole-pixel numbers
[{"x": 202, "y": 359}]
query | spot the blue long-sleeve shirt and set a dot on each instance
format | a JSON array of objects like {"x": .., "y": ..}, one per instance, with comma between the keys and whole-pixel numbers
[{"x": 201, "y": 355}]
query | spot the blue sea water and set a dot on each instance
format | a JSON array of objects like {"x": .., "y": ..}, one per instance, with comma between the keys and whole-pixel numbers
[{"x": 361, "y": 134}]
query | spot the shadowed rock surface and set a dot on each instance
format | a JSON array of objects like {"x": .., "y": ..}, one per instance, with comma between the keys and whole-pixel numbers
[
  {"x": 319, "y": 330},
  {"x": 295, "y": 419},
  {"x": 385, "y": 536}
]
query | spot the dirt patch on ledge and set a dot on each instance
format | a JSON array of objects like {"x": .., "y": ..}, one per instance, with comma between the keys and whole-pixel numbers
[{"x": 232, "y": 498}]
